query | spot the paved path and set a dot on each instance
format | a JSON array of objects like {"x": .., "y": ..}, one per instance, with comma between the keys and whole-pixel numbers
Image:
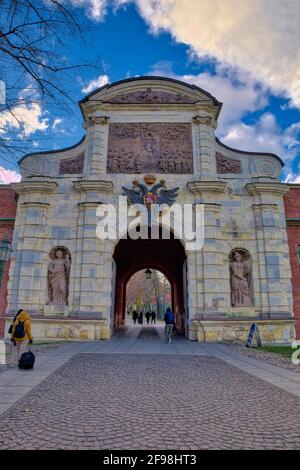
[{"x": 111, "y": 394}]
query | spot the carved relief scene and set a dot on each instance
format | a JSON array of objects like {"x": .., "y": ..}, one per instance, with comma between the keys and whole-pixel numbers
[
  {"x": 72, "y": 165},
  {"x": 227, "y": 165},
  {"x": 150, "y": 147},
  {"x": 150, "y": 96}
]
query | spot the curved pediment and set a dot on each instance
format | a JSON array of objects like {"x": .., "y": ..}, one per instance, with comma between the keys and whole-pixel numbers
[
  {"x": 150, "y": 91},
  {"x": 246, "y": 164},
  {"x": 53, "y": 163}
]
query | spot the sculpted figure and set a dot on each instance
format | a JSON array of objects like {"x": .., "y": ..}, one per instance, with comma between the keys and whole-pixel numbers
[
  {"x": 58, "y": 277},
  {"x": 241, "y": 281}
]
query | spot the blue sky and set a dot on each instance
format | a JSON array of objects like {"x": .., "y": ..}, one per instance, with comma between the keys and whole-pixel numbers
[{"x": 246, "y": 55}]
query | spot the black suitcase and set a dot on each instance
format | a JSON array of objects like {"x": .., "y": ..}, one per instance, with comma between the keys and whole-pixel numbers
[{"x": 26, "y": 360}]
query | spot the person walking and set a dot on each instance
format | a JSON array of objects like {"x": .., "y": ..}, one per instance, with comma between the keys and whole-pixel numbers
[
  {"x": 153, "y": 317},
  {"x": 141, "y": 317},
  {"x": 21, "y": 332},
  {"x": 169, "y": 319},
  {"x": 148, "y": 315},
  {"x": 134, "y": 316}
]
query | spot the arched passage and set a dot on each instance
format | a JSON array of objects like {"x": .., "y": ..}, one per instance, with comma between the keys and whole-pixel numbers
[
  {"x": 149, "y": 290},
  {"x": 167, "y": 256}
]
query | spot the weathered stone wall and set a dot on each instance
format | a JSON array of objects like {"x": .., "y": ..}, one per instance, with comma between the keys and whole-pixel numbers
[{"x": 243, "y": 208}]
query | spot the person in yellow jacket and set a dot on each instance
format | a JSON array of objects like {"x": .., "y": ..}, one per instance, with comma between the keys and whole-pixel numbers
[{"x": 21, "y": 332}]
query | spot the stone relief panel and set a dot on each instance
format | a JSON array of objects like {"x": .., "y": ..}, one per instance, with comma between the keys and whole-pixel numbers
[
  {"x": 150, "y": 148},
  {"x": 150, "y": 96},
  {"x": 227, "y": 165},
  {"x": 72, "y": 165}
]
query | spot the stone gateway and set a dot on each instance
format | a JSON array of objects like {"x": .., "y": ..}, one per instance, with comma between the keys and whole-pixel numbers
[{"x": 74, "y": 284}]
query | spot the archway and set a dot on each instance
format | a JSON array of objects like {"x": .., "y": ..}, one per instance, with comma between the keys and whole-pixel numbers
[
  {"x": 148, "y": 292},
  {"x": 167, "y": 256}
]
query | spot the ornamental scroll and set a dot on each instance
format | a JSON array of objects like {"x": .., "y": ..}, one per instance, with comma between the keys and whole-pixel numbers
[{"x": 150, "y": 148}]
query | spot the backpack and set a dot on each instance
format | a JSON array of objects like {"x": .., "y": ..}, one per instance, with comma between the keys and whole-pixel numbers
[
  {"x": 19, "y": 330},
  {"x": 170, "y": 317},
  {"x": 26, "y": 360}
]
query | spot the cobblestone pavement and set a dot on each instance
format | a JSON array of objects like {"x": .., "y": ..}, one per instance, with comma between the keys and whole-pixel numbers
[
  {"x": 148, "y": 333},
  {"x": 269, "y": 357},
  {"x": 114, "y": 401}
]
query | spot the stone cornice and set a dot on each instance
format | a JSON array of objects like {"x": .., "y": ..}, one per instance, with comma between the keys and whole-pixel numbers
[
  {"x": 41, "y": 205},
  {"x": 202, "y": 187},
  {"x": 206, "y": 120},
  {"x": 34, "y": 187},
  {"x": 265, "y": 206},
  {"x": 89, "y": 205},
  {"x": 96, "y": 120},
  {"x": 280, "y": 189},
  {"x": 93, "y": 185}
]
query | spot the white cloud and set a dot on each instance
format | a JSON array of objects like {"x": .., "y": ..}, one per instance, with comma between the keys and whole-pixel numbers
[
  {"x": 56, "y": 122},
  {"x": 8, "y": 176},
  {"x": 95, "y": 9},
  {"x": 239, "y": 93},
  {"x": 292, "y": 135},
  {"x": 266, "y": 136},
  {"x": 26, "y": 119},
  {"x": 261, "y": 36},
  {"x": 292, "y": 178},
  {"x": 96, "y": 83},
  {"x": 263, "y": 136}
]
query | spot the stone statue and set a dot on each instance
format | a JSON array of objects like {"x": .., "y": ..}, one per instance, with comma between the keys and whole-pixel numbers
[
  {"x": 58, "y": 276},
  {"x": 241, "y": 279}
]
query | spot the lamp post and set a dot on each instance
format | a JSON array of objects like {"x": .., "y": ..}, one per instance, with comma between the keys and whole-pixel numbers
[
  {"x": 5, "y": 251},
  {"x": 148, "y": 273}
]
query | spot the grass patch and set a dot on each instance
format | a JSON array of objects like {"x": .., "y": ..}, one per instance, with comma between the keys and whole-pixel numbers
[{"x": 285, "y": 351}]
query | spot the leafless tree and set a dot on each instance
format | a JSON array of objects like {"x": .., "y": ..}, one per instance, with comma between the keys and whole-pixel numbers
[
  {"x": 34, "y": 38},
  {"x": 152, "y": 292}
]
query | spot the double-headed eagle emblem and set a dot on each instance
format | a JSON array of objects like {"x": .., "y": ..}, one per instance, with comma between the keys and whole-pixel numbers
[{"x": 158, "y": 194}]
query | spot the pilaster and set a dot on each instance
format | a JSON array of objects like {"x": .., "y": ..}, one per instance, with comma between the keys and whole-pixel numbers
[{"x": 272, "y": 248}]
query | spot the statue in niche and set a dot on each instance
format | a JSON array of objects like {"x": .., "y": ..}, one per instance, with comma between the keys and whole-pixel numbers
[
  {"x": 58, "y": 276},
  {"x": 241, "y": 283}
]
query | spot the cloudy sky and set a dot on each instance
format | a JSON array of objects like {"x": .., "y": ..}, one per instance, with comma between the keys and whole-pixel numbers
[{"x": 244, "y": 52}]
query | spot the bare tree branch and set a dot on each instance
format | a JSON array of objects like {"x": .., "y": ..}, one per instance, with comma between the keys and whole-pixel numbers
[{"x": 34, "y": 38}]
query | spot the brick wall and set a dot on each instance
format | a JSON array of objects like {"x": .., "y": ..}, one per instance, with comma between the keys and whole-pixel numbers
[
  {"x": 8, "y": 206},
  {"x": 292, "y": 212}
]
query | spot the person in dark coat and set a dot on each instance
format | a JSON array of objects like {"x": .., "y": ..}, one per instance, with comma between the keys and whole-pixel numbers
[
  {"x": 153, "y": 317},
  {"x": 148, "y": 315},
  {"x": 134, "y": 316},
  {"x": 169, "y": 319}
]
